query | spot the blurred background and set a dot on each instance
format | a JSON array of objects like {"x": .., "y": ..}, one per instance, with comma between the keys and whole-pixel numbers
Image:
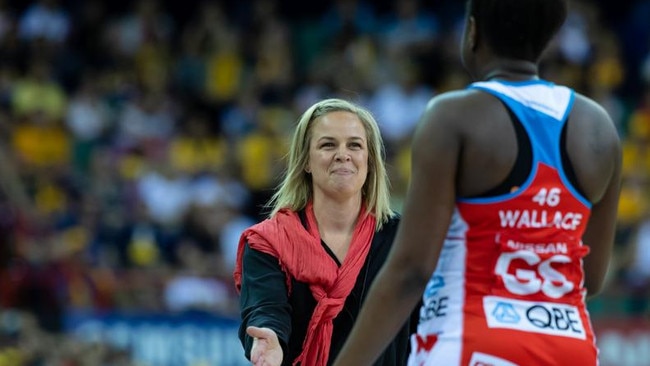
[{"x": 139, "y": 138}]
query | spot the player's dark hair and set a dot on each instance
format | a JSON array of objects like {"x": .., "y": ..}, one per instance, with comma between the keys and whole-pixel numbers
[{"x": 518, "y": 29}]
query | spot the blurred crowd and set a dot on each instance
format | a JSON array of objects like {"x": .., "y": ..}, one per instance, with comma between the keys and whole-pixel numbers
[{"x": 139, "y": 138}]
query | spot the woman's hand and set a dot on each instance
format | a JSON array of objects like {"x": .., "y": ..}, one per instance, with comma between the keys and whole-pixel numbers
[{"x": 266, "y": 350}]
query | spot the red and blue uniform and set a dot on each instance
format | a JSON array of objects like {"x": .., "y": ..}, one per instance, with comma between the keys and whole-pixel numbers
[{"x": 508, "y": 288}]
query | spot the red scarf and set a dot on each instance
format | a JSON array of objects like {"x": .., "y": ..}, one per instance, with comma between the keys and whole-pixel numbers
[{"x": 303, "y": 258}]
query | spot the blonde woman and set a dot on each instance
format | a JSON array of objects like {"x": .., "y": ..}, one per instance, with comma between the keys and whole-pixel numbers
[{"x": 303, "y": 273}]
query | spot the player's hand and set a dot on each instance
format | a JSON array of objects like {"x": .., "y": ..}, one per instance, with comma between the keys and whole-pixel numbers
[{"x": 266, "y": 350}]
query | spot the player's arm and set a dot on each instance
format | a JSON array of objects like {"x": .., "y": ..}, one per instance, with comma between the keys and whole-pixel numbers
[
  {"x": 426, "y": 215},
  {"x": 599, "y": 235}
]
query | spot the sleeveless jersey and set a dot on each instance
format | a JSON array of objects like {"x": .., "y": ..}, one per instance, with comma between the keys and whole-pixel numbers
[{"x": 508, "y": 287}]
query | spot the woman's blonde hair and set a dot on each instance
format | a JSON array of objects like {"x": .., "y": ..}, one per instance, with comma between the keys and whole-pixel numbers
[{"x": 295, "y": 191}]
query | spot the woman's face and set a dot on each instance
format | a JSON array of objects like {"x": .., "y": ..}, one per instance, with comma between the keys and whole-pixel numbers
[{"x": 338, "y": 155}]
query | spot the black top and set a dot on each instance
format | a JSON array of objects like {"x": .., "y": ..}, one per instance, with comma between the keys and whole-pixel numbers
[{"x": 264, "y": 302}]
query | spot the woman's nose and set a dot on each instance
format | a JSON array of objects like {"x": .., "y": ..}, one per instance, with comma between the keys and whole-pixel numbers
[{"x": 342, "y": 155}]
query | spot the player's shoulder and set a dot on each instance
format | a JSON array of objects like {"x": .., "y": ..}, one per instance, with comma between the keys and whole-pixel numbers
[
  {"x": 589, "y": 113},
  {"x": 461, "y": 105},
  {"x": 592, "y": 125},
  {"x": 587, "y": 106},
  {"x": 458, "y": 98}
]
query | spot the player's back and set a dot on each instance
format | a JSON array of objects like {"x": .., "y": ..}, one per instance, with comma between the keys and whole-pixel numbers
[
  {"x": 508, "y": 288},
  {"x": 490, "y": 143}
]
